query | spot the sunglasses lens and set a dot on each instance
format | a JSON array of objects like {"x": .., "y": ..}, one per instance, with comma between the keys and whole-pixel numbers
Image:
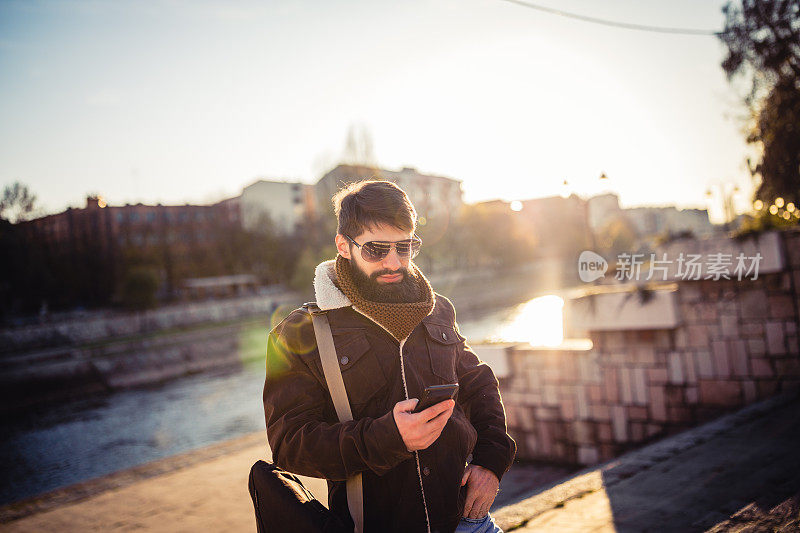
[
  {"x": 415, "y": 246},
  {"x": 374, "y": 251},
  {"x": 408, "y": 248},
  {"x": 403, "y": 248}
]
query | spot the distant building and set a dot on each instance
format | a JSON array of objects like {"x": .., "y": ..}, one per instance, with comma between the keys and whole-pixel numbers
[
  {"x": 229, "y": 211},
  {"x": 602, "y": 209},
  {"x": 94, "y": 237},
  {"x": 180, "y": 226},
  {"x": 560, "y": 224},
  {"x": 433, "y": 196},
  {"x": 79, "y": 240},
  {"x": 656, "y": 220},
  {"x": 74, "y": 228},
  {"x": 286, "y": 203},
  {"x": 648, "y": 220},
  {"x": 494, "y": 204}
]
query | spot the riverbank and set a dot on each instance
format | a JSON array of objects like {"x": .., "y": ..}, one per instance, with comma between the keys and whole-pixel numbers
[
  {"x": 201, "y": 490},
  {"x": 118, "y": 353},
  {"x": 55, "y": 375}
]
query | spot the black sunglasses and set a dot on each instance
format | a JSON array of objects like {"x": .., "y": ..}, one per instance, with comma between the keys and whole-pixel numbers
[{"x": 374, "y": 251}]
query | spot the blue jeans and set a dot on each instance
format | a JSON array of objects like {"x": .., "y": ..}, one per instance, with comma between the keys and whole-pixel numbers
[{"x": 478, "y": 525}]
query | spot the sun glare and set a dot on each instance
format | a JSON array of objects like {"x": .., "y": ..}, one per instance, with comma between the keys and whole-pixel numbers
[{"x": 538, "y": 321}]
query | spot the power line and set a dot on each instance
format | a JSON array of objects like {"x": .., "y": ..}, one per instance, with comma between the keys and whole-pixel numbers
[{"x": 628, "y": 26}]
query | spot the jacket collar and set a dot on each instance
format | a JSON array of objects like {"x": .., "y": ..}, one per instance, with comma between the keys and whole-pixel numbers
[{"x": 327, "y": 294}]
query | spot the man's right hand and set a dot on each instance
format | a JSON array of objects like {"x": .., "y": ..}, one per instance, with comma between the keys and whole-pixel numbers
[{"x": 420, "y": 430}]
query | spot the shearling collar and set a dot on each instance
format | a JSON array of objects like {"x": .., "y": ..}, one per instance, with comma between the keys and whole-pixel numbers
[
  {"x": 397, "y": 319},
  {"x": 327, "y": 294}
]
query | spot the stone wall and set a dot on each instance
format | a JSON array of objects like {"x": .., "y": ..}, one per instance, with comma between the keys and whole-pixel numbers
[
  {"x": 103, "y": 325},
  {"x": 726, "y": 343},
  {"x": 54, "y": 375}
]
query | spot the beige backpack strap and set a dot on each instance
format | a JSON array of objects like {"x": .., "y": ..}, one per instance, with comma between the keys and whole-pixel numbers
[{"x": 333, "y": 377}]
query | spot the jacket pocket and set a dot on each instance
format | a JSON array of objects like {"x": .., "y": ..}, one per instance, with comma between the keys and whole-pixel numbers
[
  {"x": 361, "y": 372},
  {"x": 467, "y": 434},
  {"x": 443, "y": 342}
]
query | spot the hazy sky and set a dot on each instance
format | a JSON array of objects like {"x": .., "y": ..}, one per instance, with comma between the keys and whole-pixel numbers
[{"x": 189, "y": 101}]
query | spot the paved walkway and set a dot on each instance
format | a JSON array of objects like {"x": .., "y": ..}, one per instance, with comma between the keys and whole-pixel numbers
[
  {"x": 740, "y": 472},
  {"x": 202, "y": 490},
  {"x": 745, "y": 464},
  {"x": 199, "y": 491}
]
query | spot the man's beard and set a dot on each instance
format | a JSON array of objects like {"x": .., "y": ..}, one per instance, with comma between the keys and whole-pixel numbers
[{"x": 404, "y": 291}]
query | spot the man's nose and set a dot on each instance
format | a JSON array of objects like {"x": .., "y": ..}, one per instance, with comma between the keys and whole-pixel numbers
[{"x": 392, "y": 260}]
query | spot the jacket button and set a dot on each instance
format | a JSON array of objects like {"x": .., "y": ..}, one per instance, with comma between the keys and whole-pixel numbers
[
  {"x": 444, "y": 335},
  {"x": 426, "y": 471},
  {"x": 344, "y": 360}
]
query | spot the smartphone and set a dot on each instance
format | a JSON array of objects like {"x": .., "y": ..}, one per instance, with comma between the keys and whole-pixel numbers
[{"x": 434, "y": 394}]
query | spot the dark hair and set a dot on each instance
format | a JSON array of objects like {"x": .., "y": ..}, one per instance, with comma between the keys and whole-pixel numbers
[{"x": 364, "y": 205}]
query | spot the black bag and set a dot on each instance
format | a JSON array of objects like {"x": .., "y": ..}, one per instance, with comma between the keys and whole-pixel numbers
[
  {"x": 281, "y": 501},
  {"x": 283, "y": 504}
]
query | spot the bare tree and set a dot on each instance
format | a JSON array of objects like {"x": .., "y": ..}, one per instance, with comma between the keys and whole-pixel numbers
[
  {"x": 358, "y": 149},
  {"x": 17, "y": 203}
]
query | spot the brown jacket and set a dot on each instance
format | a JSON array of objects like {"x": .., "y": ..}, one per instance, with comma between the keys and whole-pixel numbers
[{"x": 403, "y": 491}]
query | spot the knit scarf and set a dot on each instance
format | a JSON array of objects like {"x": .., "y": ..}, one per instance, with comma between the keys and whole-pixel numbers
[{"x": 399, "y": 319}]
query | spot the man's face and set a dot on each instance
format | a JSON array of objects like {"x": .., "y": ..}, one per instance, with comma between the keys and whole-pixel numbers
[{"x": 386, "y": 280}]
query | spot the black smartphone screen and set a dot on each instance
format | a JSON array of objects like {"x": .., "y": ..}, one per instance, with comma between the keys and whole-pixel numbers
[{"x": 434, "y": 394}]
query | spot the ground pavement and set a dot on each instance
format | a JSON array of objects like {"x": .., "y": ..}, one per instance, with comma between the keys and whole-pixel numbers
[
  {"x": 202, "y": 490},
  {"x": 738, "y": 473}
]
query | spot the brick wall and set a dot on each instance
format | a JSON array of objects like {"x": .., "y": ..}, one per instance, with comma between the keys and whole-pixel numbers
[{"x": 735, "y": 342}]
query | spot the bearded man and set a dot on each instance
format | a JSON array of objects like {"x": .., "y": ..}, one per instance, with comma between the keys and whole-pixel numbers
[{"x": 435, "y": 470}]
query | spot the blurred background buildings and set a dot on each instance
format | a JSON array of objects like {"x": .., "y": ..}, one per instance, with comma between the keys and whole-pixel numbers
[{"x": 184, "y": 247}]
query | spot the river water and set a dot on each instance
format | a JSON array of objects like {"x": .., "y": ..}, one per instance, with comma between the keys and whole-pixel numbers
[{"x": 83, "y": 439}]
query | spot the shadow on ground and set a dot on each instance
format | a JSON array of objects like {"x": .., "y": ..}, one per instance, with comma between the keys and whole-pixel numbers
[{"x": 740, "y": 472}]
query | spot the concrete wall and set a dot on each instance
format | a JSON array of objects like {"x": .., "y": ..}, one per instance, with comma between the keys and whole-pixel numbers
[
  {"x": 729, "y": 344},
  {"x": 57, "y": 374},
  {"x": 104, "y": 325}
]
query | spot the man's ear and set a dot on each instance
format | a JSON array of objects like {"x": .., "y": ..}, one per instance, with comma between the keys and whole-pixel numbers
[{"x": 343, "y": 245}]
